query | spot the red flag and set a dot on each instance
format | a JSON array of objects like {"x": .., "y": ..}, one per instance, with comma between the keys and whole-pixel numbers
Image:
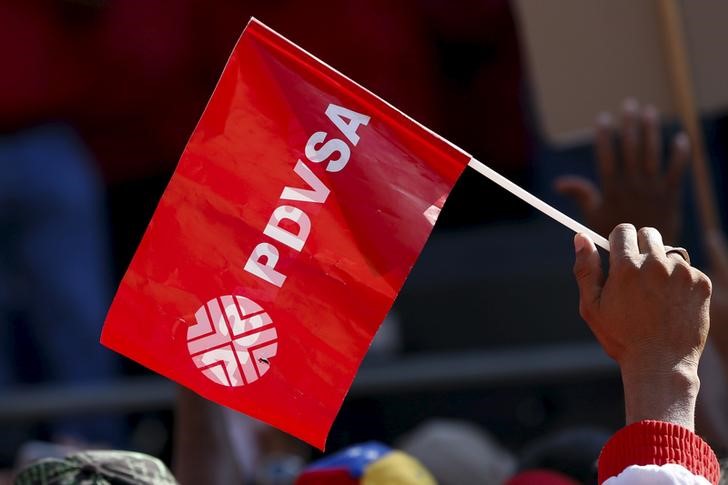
[{"x": 293, "y": 218}]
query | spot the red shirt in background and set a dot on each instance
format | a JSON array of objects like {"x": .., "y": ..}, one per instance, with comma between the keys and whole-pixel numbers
[{"x": 134, "y": 76}]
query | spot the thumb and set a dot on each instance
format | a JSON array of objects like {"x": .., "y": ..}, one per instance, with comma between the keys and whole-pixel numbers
[
  {"x": 588, "y": 273},
  {"x": 582, "y": 190}
]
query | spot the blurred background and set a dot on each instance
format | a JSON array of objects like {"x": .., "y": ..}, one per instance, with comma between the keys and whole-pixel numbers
[{"x": 98, "y": 98}]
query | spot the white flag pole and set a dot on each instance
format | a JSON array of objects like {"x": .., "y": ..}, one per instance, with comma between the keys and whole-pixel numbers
[{"x": 537, "y": 203}]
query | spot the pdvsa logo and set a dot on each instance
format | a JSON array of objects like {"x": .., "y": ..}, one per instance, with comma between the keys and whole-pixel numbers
[{"x": 232, "y": 341}]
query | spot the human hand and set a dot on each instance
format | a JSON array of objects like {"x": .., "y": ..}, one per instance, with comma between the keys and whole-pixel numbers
[
  {"x": 634, "y": 185},
  {"x": 650, "y": 314}
]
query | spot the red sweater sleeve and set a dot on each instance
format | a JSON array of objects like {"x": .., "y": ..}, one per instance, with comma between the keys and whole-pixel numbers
[{"x": 657, "y": 443}]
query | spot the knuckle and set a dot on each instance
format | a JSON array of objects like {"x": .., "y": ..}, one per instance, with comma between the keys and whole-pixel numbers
[
  {"x": 656, "y": 267},
  {"x": 702, "y": 283},
  {"x": 682, "y": 272},
  {"x": 625, "y": 267}
]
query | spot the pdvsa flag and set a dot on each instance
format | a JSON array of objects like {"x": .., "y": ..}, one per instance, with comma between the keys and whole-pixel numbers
[{"x": 298, "y": 208}]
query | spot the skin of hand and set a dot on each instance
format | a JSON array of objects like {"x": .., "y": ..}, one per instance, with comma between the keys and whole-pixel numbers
[
  {"x": 650, "y": 314},
  {"x": 634, "y": 185}
]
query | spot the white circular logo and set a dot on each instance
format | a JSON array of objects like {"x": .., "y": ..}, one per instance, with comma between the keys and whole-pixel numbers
[{"x": 232, "y": 340}]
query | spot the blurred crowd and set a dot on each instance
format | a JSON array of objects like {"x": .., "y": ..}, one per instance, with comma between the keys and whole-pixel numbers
[{"x": 97, "y": 100}]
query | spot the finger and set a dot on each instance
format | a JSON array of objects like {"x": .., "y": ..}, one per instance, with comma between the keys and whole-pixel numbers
[
  {"x": 653, "y": 142},
  {"x": 679, "y": 158},
  {"x": 604, "y": 146},
  {"x": 588, "y": 273},
  {"x": 631, "y": 137},
  {"x": 650, "y": 242},
  {"x": 623, "y": 244},
  {"x": 717, "y": 251},
  {"x": 580, "y": 189}
]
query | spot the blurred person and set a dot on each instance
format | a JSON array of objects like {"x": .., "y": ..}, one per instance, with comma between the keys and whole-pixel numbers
[
  {"x": 108, "y": 467},
  {"x": 54, "y": 272},
  {"x": 650, "y": 313},
  {"x": 572, "y": 452},
  {"x": 458, "y": 453},
  {"x": 216, "y": 445},
  {"x": 638, "y": 184},
  {"x": 370, "y": 463}
]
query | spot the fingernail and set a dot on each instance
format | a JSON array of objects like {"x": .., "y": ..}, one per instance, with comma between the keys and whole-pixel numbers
[{"x": 579, "y": 243}]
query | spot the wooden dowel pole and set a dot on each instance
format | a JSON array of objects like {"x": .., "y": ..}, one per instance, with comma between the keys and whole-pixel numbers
[{"x": 684, "y": 99}]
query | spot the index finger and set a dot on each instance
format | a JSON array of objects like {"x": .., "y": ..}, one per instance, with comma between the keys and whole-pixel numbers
[{"x": 623, "y": 244}]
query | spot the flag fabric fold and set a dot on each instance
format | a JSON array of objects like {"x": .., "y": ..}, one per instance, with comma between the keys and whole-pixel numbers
[{"x": 293, "y": 218}]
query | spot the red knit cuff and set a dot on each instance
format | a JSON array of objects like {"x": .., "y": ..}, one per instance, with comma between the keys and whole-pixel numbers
[{"x": 657, "y": 443}]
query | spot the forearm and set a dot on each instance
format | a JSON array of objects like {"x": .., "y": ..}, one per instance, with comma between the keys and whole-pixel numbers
[{"x": 668, "y": 397}]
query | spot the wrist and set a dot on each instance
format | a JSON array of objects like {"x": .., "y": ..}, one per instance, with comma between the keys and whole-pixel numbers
[{"x": 662, "y": 396}]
